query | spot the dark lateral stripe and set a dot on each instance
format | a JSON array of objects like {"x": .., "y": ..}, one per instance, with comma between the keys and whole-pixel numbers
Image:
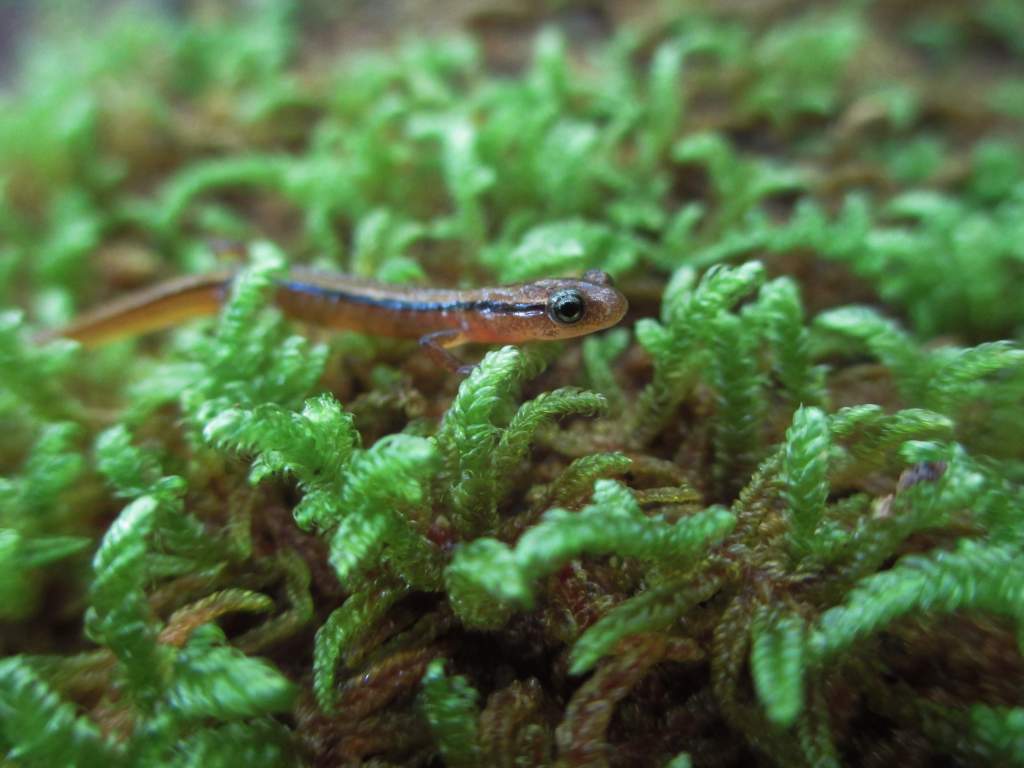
[{"x": 410, "y": 305}]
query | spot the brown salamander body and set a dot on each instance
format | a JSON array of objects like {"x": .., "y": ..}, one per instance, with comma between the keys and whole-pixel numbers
[{"x": 439, "y": 318}]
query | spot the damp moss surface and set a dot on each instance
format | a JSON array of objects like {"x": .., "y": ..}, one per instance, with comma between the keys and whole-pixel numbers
[{"x": 775, "y": 517}]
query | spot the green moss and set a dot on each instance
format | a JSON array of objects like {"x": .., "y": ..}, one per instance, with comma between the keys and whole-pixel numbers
[{"x": 782, "y": 524}]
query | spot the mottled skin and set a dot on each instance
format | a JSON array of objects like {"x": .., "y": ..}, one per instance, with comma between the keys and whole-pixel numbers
[{"x": 544, "y": 310}]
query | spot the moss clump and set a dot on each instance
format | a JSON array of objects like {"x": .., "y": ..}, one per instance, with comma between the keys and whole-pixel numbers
[{"x": 775, "y": 516}]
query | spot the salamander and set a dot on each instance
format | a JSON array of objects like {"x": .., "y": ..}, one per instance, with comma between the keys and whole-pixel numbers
[{"x": 439, "y": 318}]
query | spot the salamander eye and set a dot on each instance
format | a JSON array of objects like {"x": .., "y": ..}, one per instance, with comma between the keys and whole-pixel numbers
[{"x": 566, "y": 306}]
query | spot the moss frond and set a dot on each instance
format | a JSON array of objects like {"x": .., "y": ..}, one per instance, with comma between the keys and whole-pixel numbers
[
  {"x": 183, "y": 622},
  {"x": 135, "y": 473},
  {"x": 612, "y": 522},
  {"x": 450, "y": 705},
  {"x": 577, "y": 480},
  {"x": 974, "y": 576},
  {"x": 814, "y": 731},
  {"x": 682, "y": 760},
  {"x": 1001, "y": 730},
  {"x": 800, "y": 65},
  {"x": 482, "y": 582},
  {"x": 777, "y": 664},
  {"x": 946, "y": 379},
  {"x": 468, "y": 434},
  {"x": 739, "y": 183},
  {"x": 314, "y": 445},
  {"x": 581, "y": 735},
  {"x": 212, "y": 680},
  {"x": 32, "y": 499},
  {"x": 39, "y": 729},
  {"x": 382, "y": 485},
  {"x": 599, "y": 352},
  {"x": 482, "y": 443},
  {"x": 563, "y": 246},
  {"x": 250, "y": 360},
  {"x": 666, "y": 98},
  {"x": 34, "y": 516},
  {"x": 381, "y": 239},
  {"x": 781, "y": 312},
  {"x": 805, "y": 473},
  {"x": 33, "y": 374},
  {"x": 872, "y": 436},
  {"x": 131, "y": 471},
  {"x": 297, "y": 582},
  {"x": 466, "y": 176},
  {"x": 677, "y": 343},
  {"x": 119, "y": 615},
  {"x": 257, "y": 743},
  {"x": 889, "y": 343},
  {"x": 517, "y": 437},
  {"x": 921, "y": 506},
  {"x": 654, "y": 610},
  {"x": 20, "y": 556},
  {"x": 359, "y": 499},
  {"x": 739, "y": 402},
  {"x": 358, "y": 613}
]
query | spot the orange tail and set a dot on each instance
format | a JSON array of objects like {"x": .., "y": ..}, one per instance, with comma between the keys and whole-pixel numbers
[{"x": 148, "y": 310}]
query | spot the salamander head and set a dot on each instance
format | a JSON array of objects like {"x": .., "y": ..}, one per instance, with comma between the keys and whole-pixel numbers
[
  {"x": 579, "y": 307},
  {"x": 546, "y": 310}
]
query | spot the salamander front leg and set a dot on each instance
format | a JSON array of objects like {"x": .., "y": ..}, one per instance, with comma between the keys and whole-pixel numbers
[{"x": 434, "y": 345}]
